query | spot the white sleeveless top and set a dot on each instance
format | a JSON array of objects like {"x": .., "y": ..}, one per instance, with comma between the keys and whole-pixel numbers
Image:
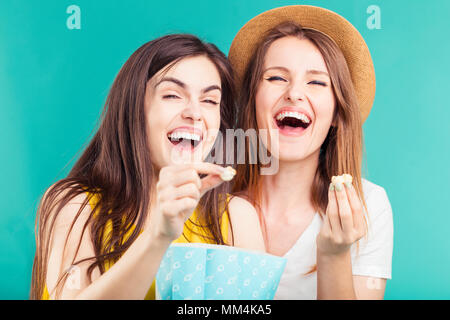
[{"x": 375, "y": 252}]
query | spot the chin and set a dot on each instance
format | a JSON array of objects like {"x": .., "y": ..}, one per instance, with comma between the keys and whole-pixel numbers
[
  {"x": 293, "y": 155},
  {"x": 290, "y": 157}
]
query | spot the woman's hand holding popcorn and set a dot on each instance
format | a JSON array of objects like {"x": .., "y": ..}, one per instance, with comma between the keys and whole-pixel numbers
[{"x": 344, "y": 222}]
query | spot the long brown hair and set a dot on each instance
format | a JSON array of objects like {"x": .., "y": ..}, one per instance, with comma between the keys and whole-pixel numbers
[
  {"x": 342, "y": 150},
  {"x": 116, "y": 165}
]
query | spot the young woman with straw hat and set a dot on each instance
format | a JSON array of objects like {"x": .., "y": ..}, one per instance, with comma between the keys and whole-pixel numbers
[{"x": 306, "y": 73}]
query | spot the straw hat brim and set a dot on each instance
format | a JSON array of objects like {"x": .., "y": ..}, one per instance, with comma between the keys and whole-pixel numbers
[{"x": 336, "y": 27}]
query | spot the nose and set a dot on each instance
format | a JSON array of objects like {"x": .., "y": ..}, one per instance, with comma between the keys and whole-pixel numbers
[
  {"x": 295, "y": 92},
  {"x": 192, "y": 111}
]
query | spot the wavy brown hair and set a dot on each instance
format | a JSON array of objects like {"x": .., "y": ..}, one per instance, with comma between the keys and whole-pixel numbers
[
  {"x": 342, "y": 149},
  {"x": 116, "y": 165}
]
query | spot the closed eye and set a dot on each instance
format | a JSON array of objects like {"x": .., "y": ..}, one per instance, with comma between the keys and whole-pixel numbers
[
  {"x": 171, "y": 96},
  {"x": 320, "y": 83},
  {"x": 211, "y": 102},
  {"x": 276, "y": 78}
]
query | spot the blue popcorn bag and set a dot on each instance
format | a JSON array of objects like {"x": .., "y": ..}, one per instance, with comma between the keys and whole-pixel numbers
[{"x": 216, "y": 272}]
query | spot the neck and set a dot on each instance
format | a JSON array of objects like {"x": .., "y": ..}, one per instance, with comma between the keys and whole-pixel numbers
[{"x": 290, "y": 188}]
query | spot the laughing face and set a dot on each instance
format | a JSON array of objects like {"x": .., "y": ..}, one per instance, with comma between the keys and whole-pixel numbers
[
  {"x": 183, "y": 111},
  {"x": 295, "y": 96}
]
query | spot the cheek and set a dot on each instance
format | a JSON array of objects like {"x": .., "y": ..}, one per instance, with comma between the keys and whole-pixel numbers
[
  {"x": 212, "y": 118},
  {"x": 265, "y": 100},
  {"x": 158, "y": 120},
  {"x": 265, "y": 96},
  {"x": 212, "y": 123},
  {"x": 325, "y": 109}
]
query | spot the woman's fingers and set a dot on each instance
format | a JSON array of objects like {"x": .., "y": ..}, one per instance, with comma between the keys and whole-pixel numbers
[
  {"x": 179, "y": 181},
  {"x": 210, "y": 182},
  {"x": 207, "y": 168},
  {"x": 332, "y": 211},
  {"x": 187, "y": 190},
  {"x": 345, "y": 211},
  {"x": 182, "y": 174},
  {"x": 212, "y": 178},
  {"x": 199, "y": 167},
  {"x": 179, "y": 189},
  {"x": 174, "y": 177},
  {"x": 184, "y": 206},
  {"x": 344, "y": 217},
  {"x": 356, "y": 207}
]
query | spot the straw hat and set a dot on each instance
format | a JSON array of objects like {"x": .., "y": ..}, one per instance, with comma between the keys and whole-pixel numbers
[{"x": 328, "y": 22}]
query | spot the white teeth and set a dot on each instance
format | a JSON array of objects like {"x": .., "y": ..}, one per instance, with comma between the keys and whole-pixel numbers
[
  {"x": 293, "y": 114},
  {"x": 184, "y": 135}
]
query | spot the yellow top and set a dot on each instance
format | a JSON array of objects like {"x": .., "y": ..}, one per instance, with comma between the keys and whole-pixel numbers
[{"x": 191, "y": 234}]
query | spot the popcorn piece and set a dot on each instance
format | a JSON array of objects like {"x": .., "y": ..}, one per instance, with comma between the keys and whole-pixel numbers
[
  {"x": 228, "y": 174},
  {"x": 343, "y": 179},
  {"x": 337, "y": 179},
  {"x": 347, "y": 178}
]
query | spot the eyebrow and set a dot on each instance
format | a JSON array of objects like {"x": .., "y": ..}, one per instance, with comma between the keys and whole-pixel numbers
[
  {"x": 318, "y": 72},
  {"x": 170, "y": 79},
  {"x": 310, "y": 71},
  {"x": 184, "y": 86},
  {"x": 210, "y": 88}
]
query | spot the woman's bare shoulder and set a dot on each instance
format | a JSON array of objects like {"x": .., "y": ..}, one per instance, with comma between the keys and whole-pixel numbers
[
  {"x": 64, "y": 207},
  {"x": 69, "y": 240},
  {"x": 245, "y": 224}
]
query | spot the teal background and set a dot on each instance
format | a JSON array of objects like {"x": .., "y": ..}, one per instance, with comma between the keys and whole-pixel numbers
[{"x": 53, "y": 83}]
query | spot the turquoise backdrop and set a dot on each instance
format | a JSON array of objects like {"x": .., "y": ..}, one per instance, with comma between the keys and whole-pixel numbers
[{"x": 54, "y": 80}]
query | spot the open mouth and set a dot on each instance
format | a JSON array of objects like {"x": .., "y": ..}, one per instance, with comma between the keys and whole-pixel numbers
[
  {"x": 184, "y": 140},
  {"x": 292, "y": 121}
]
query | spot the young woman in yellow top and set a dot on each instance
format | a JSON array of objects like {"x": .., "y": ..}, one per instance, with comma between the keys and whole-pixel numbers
[{"x": 128, "y": 197}]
